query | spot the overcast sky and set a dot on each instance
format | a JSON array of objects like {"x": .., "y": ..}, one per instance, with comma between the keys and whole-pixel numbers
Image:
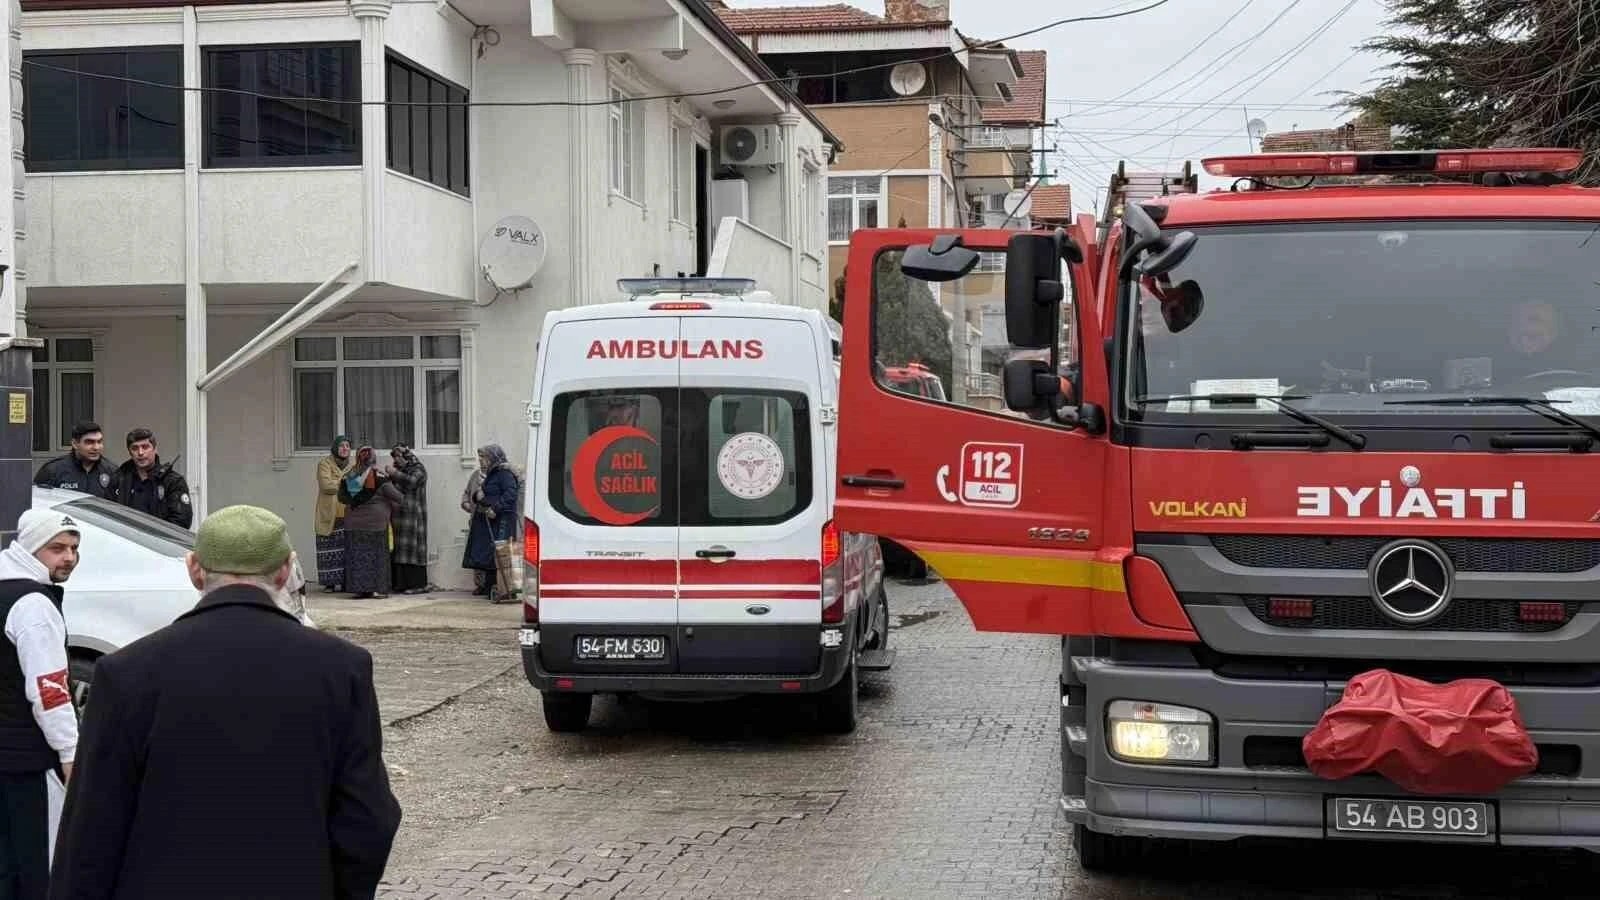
[{"x": 1230, "y": 62}]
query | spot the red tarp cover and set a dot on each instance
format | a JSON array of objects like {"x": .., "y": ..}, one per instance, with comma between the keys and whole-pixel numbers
[{"x": 1464, "y": 737}]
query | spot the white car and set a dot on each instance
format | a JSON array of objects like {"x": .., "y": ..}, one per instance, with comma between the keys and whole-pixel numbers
[{"x": 131, "y": 579}]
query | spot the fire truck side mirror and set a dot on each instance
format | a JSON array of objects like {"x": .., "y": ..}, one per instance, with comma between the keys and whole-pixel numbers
[
  {"x": 1030, "y": 385},
  {"x": 1033, "y": 290},
  {"x": 943, "y": 260}
]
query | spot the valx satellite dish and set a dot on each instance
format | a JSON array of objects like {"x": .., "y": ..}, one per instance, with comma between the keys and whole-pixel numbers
[{"x": 512, "y": 253}]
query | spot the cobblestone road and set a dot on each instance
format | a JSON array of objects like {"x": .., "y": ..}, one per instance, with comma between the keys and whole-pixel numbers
[{"x": 947, "y": 789}]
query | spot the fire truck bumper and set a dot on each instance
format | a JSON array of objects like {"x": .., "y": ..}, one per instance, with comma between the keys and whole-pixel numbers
[{"x": 1252, "y": 781}]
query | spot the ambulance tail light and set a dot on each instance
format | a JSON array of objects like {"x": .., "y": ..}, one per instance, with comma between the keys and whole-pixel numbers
[
  {"x": 530, "y": 572},
  {"x": 833, "y": 587},
  {"x": 1438, "y": 162},
  {"x": 671, "y": 305}
]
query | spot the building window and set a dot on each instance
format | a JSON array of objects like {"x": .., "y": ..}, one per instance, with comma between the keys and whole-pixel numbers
[
  {"x": 620, "y": 144},
  {"x": 811, "y": 189},
  {"x": 427, "y": 141},
  {"x": 852, "y": 203},
  {"x": 107, "y": 117},
  {"x": 990, "y": 263},
  {"x": 283, "y": 106},
  {"x": 682, "y": 172},
  {"x": 380, "y": 390},
  {"x": 63, "y": 390}
]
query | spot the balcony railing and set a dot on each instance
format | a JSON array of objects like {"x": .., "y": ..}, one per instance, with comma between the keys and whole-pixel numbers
[{"x": 983, "y": 384}]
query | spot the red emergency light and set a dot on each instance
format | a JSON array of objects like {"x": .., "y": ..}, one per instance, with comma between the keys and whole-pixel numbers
[
  {"x": 1391, "y": 162},
  {"x": 668, "y": 305}
]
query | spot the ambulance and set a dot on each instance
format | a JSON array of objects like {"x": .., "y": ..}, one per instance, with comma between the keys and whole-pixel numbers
[{"x": 678, "y": 534}]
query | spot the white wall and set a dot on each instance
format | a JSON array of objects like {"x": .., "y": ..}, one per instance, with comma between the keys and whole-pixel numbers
[
  {"x": 440, "y": 42},
  {"x": 428, "y": 242},
  {"x": 107, "y": 228},
  {"x": 270, "y": 226}
]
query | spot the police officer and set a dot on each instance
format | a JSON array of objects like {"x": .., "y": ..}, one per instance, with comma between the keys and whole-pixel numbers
[
  {"x": 152, "y": 487},
  {"x": 84, "y": 468}
]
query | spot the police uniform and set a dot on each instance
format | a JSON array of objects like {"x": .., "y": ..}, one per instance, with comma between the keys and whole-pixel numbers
[
  {"x": 165, "y": 494},
  {"x": 68, "y": 472}
]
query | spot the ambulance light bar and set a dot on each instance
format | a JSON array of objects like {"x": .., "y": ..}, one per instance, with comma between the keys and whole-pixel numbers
[
  {"x": 1389, "y": 162},
  {"x": 727, "y": 287}
]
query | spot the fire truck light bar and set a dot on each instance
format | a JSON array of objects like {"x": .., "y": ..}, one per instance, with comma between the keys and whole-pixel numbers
[{"x": 1443, "y": 162}]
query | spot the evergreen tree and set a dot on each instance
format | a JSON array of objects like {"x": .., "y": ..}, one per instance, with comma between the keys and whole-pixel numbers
[
  {"x": 1487, "y": 73},
  {"x": 910, "y": 325}
]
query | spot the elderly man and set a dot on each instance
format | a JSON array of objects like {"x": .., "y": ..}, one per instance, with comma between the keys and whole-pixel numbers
[
  {"x": 38, "y": 726},
  {"x": 234, "y": 753}
]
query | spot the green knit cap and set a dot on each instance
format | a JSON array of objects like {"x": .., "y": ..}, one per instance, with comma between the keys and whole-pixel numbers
[{"x": 242, "y": 540}]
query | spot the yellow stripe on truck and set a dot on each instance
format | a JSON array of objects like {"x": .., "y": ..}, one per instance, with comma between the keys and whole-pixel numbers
[{"x": 1038, "y": 570}]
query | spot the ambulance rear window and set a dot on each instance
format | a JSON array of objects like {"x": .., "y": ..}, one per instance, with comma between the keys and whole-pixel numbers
[{"x": 695, "y": 456}]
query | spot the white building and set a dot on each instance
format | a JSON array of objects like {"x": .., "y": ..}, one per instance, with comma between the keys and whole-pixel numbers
[{"x": 170, "y": 233}]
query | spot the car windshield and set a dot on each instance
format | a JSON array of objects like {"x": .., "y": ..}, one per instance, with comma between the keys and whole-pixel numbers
[
  {"x": 1349, "y": 317},
  {"x": 131, "y": 525}
]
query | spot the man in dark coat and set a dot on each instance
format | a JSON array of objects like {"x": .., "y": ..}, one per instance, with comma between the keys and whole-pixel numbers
[
  {"x": 234, "y": 753},
  {"x": 151, "y": 486},
  {"x": 84, "y": 468}
]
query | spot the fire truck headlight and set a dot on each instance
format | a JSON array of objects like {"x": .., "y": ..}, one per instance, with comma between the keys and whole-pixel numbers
[{"x": 1147, "y": 732}]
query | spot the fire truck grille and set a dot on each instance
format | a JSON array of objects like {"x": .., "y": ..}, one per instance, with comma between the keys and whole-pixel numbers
[
  {"x": 1463, "y": 615},
  {"x": 1353, "y": 552}
]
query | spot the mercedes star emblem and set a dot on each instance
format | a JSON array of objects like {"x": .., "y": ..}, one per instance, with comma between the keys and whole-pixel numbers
[{"x": 1411, "y": 581}]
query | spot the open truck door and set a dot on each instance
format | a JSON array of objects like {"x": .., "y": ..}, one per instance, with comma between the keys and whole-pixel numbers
[{"x": 1003, "y": 496}]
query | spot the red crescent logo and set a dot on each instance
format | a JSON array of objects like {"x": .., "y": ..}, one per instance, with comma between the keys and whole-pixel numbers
[{"x": 587, "y": 460}]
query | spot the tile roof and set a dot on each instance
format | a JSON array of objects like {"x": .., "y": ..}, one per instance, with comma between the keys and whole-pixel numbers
[
  {"x": 1356, "y": 136},
  {"x": 1051, "y": 203},
  {"x": 1027, "y": 95},
  {"x": 788, "y": 19}
]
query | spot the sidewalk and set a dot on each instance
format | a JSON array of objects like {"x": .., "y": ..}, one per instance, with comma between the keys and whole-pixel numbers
[{"x": 444, "y": 610}]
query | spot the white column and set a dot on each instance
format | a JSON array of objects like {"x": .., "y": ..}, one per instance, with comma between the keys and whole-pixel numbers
[
  {"x": 195, "y": 458},
  {"x": 580, "y": 165},
  {"x": 371, "y": 15},
  {"x": 793, "y": 184}
]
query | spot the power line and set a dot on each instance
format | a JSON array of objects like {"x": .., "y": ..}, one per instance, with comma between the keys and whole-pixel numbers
[
  {"x": 682, "y": 95},
  {"x": 1176, "y": 62}
]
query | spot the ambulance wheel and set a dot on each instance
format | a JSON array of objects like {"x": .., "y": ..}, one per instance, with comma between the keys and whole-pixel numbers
[
  {"x": 880, "y": 635},
  {"x": 1108, "y": 853},
  {"x": 567, "y": 712},
  {"x": 837, "y": 706},
  {"x": 80, "y": 676}
]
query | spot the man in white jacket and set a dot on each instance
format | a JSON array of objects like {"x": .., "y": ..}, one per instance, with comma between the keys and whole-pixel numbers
[{"x": 38, "y": 724}]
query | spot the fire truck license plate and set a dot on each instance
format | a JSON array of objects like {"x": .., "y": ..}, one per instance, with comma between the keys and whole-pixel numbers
[
  {"x": 621, "y": 647},
  {"x": 1419, "y": 817}
]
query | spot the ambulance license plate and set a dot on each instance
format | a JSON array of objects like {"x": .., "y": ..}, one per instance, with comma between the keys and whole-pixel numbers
[
  {"x": 1418, "y": 817},
  {"x": 617, "y": 646}
]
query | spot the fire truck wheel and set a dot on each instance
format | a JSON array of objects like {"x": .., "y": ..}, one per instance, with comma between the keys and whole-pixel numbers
[
  {"x": 837, "y": 706},
  {"x": 567, "y": 712},
  {"x": 1105, "y": 852}
]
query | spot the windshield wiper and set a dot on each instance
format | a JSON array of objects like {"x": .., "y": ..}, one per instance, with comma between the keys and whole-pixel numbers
[
  {"x": 1356, "y": 441},
  {"x": 1532, "y": 404}
]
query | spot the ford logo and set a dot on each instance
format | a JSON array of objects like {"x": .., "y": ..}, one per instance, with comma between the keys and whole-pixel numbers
[{"x": 758, "y": 609}]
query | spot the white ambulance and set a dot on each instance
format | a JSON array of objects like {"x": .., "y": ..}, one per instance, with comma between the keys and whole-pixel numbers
[{"x": 678, "y": 533}]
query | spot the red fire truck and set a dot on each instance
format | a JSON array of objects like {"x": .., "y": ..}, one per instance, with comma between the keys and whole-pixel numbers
[{"x": 1313, "y": 432}]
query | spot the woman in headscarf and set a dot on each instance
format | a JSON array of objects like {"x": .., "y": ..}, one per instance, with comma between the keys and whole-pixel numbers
[
  {"x": 329, "y": 517},
  {"x": 410, "y": 559},
  {"x": 371, "y": 502},
  {"x": 494, "y": 513}
]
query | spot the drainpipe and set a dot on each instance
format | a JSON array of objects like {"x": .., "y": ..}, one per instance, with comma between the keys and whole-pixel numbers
[
  {"x": 195, "y": 427},
  {"x": 580, "y": 71},
  {"x": 788, "y": 123}
]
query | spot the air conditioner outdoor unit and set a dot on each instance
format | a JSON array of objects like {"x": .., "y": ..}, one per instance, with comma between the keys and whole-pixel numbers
[{"x": 749, "y": 145}]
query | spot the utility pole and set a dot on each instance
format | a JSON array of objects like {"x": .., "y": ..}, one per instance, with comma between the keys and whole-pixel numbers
[{"x": 16, "y": 349}]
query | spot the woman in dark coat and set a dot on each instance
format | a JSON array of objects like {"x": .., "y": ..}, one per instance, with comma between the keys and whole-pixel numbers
[
  {"x": 494, "y": 515},
  {"x": 370, "y": 502},
  {"x": 410, "y": 559}
]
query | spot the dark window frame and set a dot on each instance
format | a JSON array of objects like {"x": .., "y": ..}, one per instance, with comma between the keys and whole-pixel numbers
[
  {"x": 153, "y": 163},
  {"x": 214, "y": 95},
  {"x": 454, "y": 174}
]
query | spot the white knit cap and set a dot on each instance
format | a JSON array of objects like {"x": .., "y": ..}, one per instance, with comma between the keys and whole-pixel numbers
[{"x": 38, "y": 527}]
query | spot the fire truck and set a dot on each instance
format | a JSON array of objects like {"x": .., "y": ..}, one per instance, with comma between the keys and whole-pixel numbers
[{"x": 1313, "y": 432}]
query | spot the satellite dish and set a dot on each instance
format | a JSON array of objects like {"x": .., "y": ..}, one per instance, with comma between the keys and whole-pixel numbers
[
  {"x": 1256, "y": 128},
  {"x": 1019, "y": 203},
  {"x": 512, "y": 253},
  {"x": 908, "y": 78}
]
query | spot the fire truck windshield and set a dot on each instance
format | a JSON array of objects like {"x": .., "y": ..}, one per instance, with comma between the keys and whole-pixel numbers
[{"x": 1348, "y": 317}]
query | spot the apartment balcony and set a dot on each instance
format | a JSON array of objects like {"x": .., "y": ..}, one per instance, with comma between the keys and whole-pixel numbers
[{"x": 990, "y": 171}]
